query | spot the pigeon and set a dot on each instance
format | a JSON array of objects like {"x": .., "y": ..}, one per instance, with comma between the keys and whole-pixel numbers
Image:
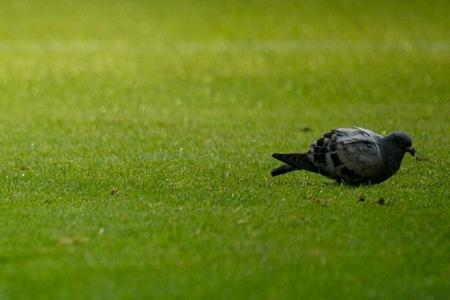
[{"x": 352, "y": 156}]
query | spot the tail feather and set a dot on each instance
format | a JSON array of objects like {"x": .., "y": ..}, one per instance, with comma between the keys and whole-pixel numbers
[
  {"x": 293, "y": 161},
  {"x": 282, "y": 170}
]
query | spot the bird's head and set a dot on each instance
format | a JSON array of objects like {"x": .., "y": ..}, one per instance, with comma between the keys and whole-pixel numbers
[{"x": 402, "y": 141}]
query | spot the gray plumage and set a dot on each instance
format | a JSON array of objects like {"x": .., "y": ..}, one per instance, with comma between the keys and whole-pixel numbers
[{"x": 351, "y": 155}]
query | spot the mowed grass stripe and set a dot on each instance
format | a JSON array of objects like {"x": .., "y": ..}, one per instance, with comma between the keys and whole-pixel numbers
[
  {"x": 136, "y": 141},
  {"x": 228, "y": 46}
]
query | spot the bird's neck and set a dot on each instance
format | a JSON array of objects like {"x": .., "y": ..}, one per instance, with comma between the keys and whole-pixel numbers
[{"x": 394, "y": 160}]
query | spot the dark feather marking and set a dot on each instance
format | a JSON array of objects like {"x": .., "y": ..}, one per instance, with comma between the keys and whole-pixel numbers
[
  {"x": 319, "y": 142},
  {"x": 320, "y": 150},
  {"x": 347, "y": 172},
  {"x": 320, "y": 158},
  {"x": 367, "y": 143},
  {"x": 333, "y": 147},
  {"x": 335, "y": 159},
  {"x": 323, "y": 172}
]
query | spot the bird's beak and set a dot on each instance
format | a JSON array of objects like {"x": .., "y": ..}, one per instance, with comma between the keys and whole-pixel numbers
[{"x": 411, "y": 150}]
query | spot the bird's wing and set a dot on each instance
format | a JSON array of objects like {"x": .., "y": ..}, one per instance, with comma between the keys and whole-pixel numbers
[{"x": 350, "y": 154}]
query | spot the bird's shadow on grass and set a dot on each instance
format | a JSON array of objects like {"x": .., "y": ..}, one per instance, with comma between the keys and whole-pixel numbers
[{"x": 348, "y": 185}]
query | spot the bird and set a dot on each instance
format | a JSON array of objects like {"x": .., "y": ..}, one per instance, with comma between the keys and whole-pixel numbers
[{"x": 353, "y": 156}]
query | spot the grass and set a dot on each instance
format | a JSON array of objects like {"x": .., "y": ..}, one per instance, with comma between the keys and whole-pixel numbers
[{"x": 136, "y": 139}]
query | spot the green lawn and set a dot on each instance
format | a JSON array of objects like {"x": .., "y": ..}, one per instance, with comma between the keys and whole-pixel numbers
[{"x": 136, "y": 141}]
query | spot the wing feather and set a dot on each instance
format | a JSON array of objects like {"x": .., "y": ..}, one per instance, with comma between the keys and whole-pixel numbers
[{"x": 349, "y": 154}]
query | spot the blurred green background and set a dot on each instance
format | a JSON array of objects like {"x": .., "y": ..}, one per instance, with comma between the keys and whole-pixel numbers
[{"x": 136, "y": 141}]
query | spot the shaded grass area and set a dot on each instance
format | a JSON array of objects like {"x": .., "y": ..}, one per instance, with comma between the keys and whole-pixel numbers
[{"x": 136, "y": 142}]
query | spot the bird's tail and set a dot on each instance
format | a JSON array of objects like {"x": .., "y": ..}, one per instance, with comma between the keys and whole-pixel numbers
[
  {"x": 282, "y": 170},
  {"x": 293, "y": 161}
]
